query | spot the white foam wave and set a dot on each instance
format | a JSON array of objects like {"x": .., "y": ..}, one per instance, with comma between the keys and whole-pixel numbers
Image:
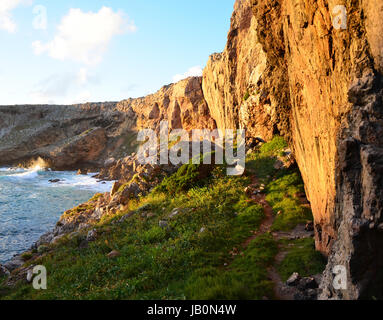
[
  {"x": 29, "y": 174},
  {"x": 84, "y": 182},
  {"x": 41, "y": 176},
  {"x": 11, "y": 169},
  {"x": 16, "y": 169}
]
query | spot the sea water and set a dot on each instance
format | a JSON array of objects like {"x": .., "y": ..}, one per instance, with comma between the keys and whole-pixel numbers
[{"x": 30, "y": 205}]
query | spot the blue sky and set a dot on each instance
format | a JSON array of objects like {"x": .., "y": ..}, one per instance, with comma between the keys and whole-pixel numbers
[{"x": 92, "y": 50}]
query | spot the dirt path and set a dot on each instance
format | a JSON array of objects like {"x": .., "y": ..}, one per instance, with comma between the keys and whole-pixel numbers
[
  {"x": 265, "y": 227},
  {"x": 266, "y": 223},
  {"x": 281, "y": 291}
]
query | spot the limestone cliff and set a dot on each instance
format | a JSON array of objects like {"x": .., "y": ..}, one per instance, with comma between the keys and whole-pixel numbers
[
  {"x": 69, "y": 137},
  {"x": 65, "y": 136},
  {"x": 286, "y": 69},
  {"x": 182, "y": 104}
]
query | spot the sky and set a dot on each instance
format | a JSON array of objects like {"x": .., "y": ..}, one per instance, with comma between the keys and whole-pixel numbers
[{"x": 66, "y": 51}]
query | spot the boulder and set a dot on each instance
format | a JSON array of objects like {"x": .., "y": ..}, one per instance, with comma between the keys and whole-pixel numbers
[
  {"x": 4, "y": 272},
  {"x": 116, "y": 186},
  {"x": 82, "y": 172},
  {"x": 307, "y": 283},
  {"x": 15, "y": 263},
  {"x": 130, "y": 192},
  {"x": 293, "y": 280},
  {"x": 109, "y": 162},
  {"x": 92, "y": 235}
]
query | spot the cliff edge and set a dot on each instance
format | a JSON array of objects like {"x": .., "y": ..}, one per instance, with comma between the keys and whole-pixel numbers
[{"x": 288, "y": 69}]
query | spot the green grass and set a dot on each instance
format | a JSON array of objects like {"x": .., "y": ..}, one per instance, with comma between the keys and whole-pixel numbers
[
  {"x": 157, "y": 263},
  {"x": 245, "y": 278},
  {"x": 26, "y": 256},
  {"x": 301, "y": 258},
  {"x": 282, "y": 196},
  {"x": 262, "y": 163},
  {"x": 276, "y": 145},
  {"x": 283, "y": 189},
  {"x": 199, "y": 255},
  {"x": 188, "y": 176}
]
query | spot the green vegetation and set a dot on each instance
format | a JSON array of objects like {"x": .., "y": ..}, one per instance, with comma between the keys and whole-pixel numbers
[
  {"x": 245, "y": 279},
  {"x": 282, "y": 196},
  {"x": 301, "y": 258},
  {"x": 187, "y": 177},
  {"x": 155, "y": 262},
  {"x": 96, "y": 197},
  {"x": 246, "y": 96},
  {"x": 81, "y": 208},
  {"x": 275, "y": 146},
  {"x": 206, "y": 251},
  {"x": 26, "y": 256}
]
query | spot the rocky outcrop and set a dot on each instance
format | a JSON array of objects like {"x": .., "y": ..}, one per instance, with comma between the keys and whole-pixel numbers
[
  {"x": 4, "y": 272},
  {"x": 227, "y": 75},
  {"x": 64, "y": 136},
  {"x": 84, "y": 148},
  {"x": 288, "y": 69},
  {"x": 181, "y": 104},
  {"x": 242, "y": 85},
  {"x": 71, "y": 137}
]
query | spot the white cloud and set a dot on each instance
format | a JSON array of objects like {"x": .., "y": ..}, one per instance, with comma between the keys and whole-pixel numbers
[
  {"x": 192, "y": 72},
  {"x": 82, "y": 76},
  {"x": 6, "y": 19},
  {"x": 84, "y": 36},
  {"x": 68, "y": 88}
]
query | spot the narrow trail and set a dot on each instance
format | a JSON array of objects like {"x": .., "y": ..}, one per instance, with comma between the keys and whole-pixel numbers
[
  {"x": 266, "y": 223},
  {"x": 264, "y": 228}
]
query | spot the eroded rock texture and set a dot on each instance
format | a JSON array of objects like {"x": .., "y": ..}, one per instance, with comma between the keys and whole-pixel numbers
[
  {"x": 65, "y": 136},
  {"x": 287, "y": 69},
  {"x": 181, "y": 104},
  {"x": 68, "y": 137}
]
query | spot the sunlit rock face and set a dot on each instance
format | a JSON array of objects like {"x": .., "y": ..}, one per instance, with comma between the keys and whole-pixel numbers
[
  {"x": 287, "y": 68},
  {"x": 336, "y": 124},
  {"x": 229, "y": 76},
  {"x": 69, "y": 137},
  {"x": 181, "y": 104},
  {"x": 65, "y": 136},
  {"x": 374, "y": 29}
]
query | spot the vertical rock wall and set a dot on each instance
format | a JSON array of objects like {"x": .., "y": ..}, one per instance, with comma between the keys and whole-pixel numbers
[{"x": 286, "y": 69}]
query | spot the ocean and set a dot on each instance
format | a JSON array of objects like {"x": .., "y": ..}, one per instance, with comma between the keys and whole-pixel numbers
[{"x": 30, "y": 205}]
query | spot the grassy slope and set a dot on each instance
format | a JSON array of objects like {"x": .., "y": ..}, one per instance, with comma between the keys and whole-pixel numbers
[{"x": 199, "y": 256}]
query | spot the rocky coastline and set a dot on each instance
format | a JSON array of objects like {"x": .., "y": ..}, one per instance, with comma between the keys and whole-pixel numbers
[{"x": 285, "y": 71}]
